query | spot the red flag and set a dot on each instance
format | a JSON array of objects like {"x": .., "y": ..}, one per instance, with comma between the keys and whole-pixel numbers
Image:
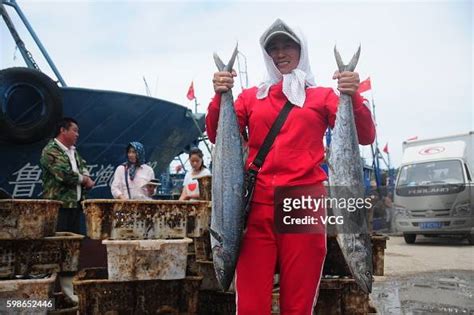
[
  {"x": 364, "y": 86},
  {"x": 190, "y": 94},
  {"x": 385, "y": 148},
  {"x": 412, "y": 138}
]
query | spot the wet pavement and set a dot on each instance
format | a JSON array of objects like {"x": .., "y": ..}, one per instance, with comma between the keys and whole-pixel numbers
[
  {"x": 432, "y": 276},
  {"x": 446, "y": 292}
]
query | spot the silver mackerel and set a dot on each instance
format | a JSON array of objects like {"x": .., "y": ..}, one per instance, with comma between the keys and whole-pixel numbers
[
  {"x": 346, "y": 181},
  {"x": 227, "y": 220}
]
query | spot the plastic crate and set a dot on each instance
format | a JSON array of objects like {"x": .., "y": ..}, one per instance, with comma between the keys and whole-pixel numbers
[
  {"x": 209, "y": 278},
  {"x": 341, "y": 296},
  {"x": 336, "y": 297},
  {"x": 192, "y": 268},
  {"x": 275, "y": 303},
  {"x": 28, "y": 218},
  {"x": 216, "y": 303},
  {"x": 199, "y": 218},
  {"x": 147, "y": 259},
  {"x": 31, "y": 257},
  {"x": 205, "y": 187},
  {"x": 140, "y": 219},
  {"x": 63, "y": 305},
  {"x": 335, "y": 263},
  {"x": 134, "y": 219},
  {"x": 28, "y": 289},
  {"x": 202, "y": 247},
  {"x": 98, "y": 295},
  {"x": 379, "y": 244}
]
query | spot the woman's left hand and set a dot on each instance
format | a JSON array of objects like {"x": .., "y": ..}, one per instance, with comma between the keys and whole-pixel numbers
[{"x": 347, "y": 82}]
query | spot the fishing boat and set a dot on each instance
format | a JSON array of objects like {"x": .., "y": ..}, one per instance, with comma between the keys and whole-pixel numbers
[{"x": 31, "y": 103}]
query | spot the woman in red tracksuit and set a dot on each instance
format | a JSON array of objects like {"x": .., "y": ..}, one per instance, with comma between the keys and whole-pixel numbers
[{"x": 294, "y": 159}]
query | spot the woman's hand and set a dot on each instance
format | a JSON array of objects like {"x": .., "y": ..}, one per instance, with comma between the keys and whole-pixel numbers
[
  {"x": 347, "y": 82},
  {"x": 223, "y": 81}
]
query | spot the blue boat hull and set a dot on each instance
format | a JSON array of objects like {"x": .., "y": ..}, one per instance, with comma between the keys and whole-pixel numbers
[{"x": 108, "y": 121}]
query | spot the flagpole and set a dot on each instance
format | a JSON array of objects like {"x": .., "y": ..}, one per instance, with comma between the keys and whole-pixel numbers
[
  {"x": 195, "y": 105},
  {"x": 375, "y": 163},
  {"x": 375, "y": 119},
  {"x": 375, "y": 156},
  {"x": 390, "y": 172}
]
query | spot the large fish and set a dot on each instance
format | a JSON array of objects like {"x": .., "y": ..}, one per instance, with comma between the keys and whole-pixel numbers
[
  {"x": 346, "y": 181},
  {"x": 227, "y": 219}
]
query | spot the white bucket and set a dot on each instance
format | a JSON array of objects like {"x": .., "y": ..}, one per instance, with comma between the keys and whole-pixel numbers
[{"x": 147, "y": 259}]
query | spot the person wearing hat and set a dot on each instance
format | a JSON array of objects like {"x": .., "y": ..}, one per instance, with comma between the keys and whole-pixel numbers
[
  {"x": 150, "y": 189},
  {"x": 293, "y": 160},
  {"x": 131, "y": 176}
]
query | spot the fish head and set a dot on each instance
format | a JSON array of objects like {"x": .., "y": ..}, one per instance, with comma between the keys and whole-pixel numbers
[
  {"x": 360, "y": 263},
  {"x": 365, "y": 281},
  {"x": 224, "y": 267}
]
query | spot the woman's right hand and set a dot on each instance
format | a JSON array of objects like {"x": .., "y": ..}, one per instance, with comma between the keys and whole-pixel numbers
[{"x": 223, "y": 81}]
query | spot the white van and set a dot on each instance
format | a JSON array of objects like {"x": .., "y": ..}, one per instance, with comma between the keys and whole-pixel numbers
[{"x": 434, "y": 187}]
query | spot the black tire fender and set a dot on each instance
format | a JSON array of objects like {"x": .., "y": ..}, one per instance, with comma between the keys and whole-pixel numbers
[
  {"x": 30, "y": 105},
  {"x": 470, "y": 238}
]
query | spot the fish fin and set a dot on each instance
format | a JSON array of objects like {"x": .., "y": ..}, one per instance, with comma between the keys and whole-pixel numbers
[
  {"x": 230, "y": 64},
  {"x": 352, "y": 64},
  {"x": 215, "y": 235},
  {"x": 219, "y": 63}
]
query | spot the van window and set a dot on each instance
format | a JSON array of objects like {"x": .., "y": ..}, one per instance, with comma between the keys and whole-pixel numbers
[{"x": 439, "y": 172}]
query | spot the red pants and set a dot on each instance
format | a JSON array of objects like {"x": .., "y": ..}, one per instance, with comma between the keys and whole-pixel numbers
[{"x": 300, "y": 258}]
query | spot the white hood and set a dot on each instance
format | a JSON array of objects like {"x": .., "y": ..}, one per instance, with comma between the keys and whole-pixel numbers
[{"x": 294, "y": 83}]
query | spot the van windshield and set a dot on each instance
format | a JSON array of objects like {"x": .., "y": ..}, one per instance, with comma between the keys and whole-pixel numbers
[{"x": 431, "y": 173}]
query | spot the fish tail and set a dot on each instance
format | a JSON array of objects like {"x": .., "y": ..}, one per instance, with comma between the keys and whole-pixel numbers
[
  {"x": 352, "y": 64},
  {"x": 220, "y": 64}
]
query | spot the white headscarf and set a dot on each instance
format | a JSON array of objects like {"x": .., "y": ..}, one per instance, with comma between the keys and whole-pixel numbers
[{"x": 294, "y": 83}]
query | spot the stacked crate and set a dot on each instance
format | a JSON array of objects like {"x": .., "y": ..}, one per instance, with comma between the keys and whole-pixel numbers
[
  {"x": 147, "y": 248},
  {"x": 33, "y": 253}
]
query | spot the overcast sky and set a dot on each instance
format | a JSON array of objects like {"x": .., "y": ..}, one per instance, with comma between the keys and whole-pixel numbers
[{"x": 418, "y": 54}]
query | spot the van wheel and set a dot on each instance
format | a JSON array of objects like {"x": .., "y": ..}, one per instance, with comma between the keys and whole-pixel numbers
[
  {"x": 30, "y": 105},
  {"x": 409, "y": 238},
  {"x": 470, "y": 239}
]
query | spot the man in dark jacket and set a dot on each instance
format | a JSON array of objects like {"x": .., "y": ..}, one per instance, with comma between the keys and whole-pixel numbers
[{"x": 65, "y": 175}]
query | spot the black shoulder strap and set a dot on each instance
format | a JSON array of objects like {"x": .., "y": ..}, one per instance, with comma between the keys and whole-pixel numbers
[
  {"x": 126, "y": 181},
  {"x": 270, "y": 138}
]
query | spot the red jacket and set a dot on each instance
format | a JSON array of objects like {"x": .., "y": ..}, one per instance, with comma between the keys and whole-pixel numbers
[{"x": 298, "y": 150}]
